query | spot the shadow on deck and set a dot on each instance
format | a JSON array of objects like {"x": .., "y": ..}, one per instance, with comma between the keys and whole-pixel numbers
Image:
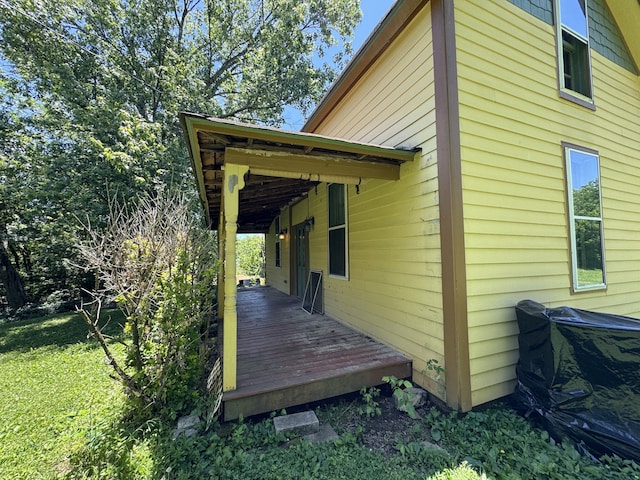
[{"x": 287, "y": 357}]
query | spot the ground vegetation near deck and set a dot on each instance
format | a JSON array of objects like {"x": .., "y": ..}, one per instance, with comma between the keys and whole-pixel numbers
[{"x": 61, "y": 416}]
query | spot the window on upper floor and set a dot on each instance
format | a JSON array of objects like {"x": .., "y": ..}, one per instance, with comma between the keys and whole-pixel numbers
[
  {"x": 338, "y": 243},
  {"x": 585, "y": 218},
  {"x": 574, "y": 58}
]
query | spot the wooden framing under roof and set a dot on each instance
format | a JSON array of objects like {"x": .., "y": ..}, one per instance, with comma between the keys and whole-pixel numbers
[{"x": 282, "y": 165}]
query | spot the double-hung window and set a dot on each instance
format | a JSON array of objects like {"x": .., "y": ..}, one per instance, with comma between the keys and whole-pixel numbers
[
  {"x": 338, "y": 238},
  {"x": 585, "y": 218},
  {"x": 574, "y": 58}
]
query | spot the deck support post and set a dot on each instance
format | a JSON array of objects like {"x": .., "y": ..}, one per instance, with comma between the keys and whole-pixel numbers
[{"x": 233, "y": 183}]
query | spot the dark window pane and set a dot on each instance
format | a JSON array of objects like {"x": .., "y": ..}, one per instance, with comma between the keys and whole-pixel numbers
[
  {"x": 336, "y": 204},
  {"x": 575, "y": 58},
  {"x": 337, "y": 251},
  {"x": 277, "y": 254}
]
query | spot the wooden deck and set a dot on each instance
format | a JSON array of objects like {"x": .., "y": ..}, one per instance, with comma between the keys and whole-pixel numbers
[{"x": 287, "y": 357}]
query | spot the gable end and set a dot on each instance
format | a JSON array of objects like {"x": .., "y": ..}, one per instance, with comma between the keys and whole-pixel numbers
[{"x": 604, "y": 34}]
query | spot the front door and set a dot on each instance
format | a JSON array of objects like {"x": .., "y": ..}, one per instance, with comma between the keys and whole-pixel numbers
[{"x": 301, "y": 259}]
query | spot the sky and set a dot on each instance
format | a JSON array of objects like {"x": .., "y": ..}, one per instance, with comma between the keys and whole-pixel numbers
[{"x": 373, "y": 11}]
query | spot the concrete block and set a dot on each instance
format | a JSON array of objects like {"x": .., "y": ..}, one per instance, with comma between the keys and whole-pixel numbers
[
  {"x": 186, "y": 426},
  {"x": 301, "y": 423},
  {"x": 326, "y": 433}
]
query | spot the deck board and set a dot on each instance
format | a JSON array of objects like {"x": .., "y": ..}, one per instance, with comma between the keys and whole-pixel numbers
[{"x": 287, "y": 357}]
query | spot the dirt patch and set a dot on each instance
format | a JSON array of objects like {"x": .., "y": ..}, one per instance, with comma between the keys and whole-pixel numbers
[{"x": 381, "y": 433}]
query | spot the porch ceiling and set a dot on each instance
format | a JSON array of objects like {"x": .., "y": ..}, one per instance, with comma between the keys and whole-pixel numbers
[{"x": 282, "y": 165}]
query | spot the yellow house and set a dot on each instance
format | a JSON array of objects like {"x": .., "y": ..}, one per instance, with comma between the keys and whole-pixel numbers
[{"x": 473, "y": 154}]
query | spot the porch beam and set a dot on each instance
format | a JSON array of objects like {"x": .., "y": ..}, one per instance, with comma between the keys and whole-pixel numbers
[
  {"x": 233, "y": 183},
  {"x": 316, "y": 166}
]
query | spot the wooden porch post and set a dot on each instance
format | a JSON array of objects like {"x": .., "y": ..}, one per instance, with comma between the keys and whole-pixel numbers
[
  {"x": 233, "y": 183},
  {"x": 221, "y": 253}
]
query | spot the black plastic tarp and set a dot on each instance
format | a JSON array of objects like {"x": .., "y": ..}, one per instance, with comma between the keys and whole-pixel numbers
[{"x": 580, "y": 371}]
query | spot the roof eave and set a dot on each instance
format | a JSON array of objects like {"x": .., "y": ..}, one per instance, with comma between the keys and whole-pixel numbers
[{"x": 380, "y": 39}]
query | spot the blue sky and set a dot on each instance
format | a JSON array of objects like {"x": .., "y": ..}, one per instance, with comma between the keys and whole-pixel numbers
[{"x": 372, "y": 12}]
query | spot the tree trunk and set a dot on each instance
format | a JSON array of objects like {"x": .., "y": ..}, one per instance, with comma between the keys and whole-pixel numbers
[{"x": 11, "y": 280}]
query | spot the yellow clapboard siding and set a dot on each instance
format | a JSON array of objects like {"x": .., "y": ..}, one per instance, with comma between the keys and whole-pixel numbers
[
  {"x": 513, "y": 159},
  {"x": 493, "y": 346},
  {"x": 516, "y": 235},
  {"x": 487, "y": 394},
  {"x": 548, "y": 228},
  {"x": 278, "y": 277},
  {"x": 394, "y": 288},
  {"x": 489, "y": 331},
  {"x": 512, "y": 269},
  {"x": 423, "y": 342},
  {"x": 416, "y": 327},
  {"x": 492, "y": 378},
  {"x": 494, "y": 199},
  {"x": 488, "y": 363},
  {"x": 409, "y": 329},
  {"x": 395, "y": 72}
]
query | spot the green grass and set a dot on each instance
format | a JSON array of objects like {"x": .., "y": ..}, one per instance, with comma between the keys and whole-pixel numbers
[
  {"x": 589, "y": 277},
  {"x": 61, "y": 416},
  {"x": 54, "y": 386}
]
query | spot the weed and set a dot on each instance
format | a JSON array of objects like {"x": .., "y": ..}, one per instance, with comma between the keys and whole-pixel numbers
[
  {"x": 434, "y": 366},
  {"x": 506, "y": 445},
  {"x": 462, "y": 472},
  {"x": 403, "y": 397},
  {"x": 370, "y": 407}
]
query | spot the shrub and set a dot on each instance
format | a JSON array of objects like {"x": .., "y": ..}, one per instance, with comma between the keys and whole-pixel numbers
[{"x": 159, "y": 265}]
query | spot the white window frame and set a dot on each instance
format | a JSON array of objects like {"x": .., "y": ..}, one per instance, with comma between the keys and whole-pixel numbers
[
  {"x": 344, "y": 226},
  {"x": 568, "y": 149},
  {"x": 567, "y": 93}
]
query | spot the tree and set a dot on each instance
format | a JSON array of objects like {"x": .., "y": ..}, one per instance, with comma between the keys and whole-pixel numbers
[
  {"x": 250, "y": 254},
  {"x": 14, "y": 148},
  {"x": 108, "y": 79}
]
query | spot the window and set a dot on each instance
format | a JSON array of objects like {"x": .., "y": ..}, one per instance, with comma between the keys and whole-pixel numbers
[
  {"x": 338, "y": 230},
  {"x": 574, "y": 60},
  {"x": 585, "y": 218},
  {"x": 277, "y": 229}
]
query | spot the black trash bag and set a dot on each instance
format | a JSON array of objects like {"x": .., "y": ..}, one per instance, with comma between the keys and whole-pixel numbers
[{"x": 580, "y": 371}]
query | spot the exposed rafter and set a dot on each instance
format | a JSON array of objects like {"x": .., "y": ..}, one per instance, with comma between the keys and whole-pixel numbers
[{"x": 282, "y": 165}]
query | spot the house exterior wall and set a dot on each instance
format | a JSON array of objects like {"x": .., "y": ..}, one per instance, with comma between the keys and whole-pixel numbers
[
  {"x": 393, "y": 290},
  {"x": 512, "y": 124},
  {"x": 604, "y": 36},
  {"x": 279, "y": 277}
]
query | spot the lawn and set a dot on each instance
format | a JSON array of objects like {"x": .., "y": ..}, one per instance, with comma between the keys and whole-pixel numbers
[
  {"x": 61, "y": 416},
  {"x": 54, "y": 387}
]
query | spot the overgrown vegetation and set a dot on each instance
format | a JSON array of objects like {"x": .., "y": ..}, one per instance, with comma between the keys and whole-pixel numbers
[
  {"x": 60, "y": 416},
  {"x": 159, "y": 264}
]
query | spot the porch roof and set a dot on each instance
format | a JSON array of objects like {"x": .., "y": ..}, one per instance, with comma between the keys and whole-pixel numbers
[{"x": 282, "y": 165}]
